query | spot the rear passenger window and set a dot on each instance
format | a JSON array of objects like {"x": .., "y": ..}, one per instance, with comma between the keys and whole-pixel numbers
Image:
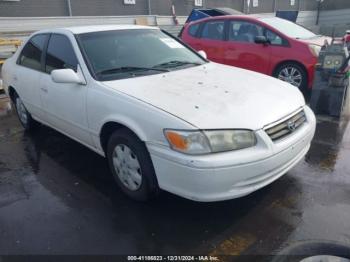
[
  {"x": 60, "y": 54},
  {"x": 32, "y": 52},
  {"x": 213, "y": 30},
  {"x": 193, "y": 29}
]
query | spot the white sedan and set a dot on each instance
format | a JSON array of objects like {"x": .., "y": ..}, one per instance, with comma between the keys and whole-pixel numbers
[{"x": 163, "y": 116}]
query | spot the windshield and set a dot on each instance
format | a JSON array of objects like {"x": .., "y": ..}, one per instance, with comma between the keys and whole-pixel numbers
[
  {"x": 137, "y": 52},
  {"x": 288, "y": 28}
]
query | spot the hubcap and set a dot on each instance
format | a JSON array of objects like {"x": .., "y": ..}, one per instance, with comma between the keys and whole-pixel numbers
[
  {"x": 21, "y": 111},
  {"x": 127, "y": 167},
  {"x": 291, "y": 75}
]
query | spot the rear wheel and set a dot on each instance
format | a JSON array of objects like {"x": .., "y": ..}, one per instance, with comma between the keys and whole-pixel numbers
[
  {"x": 131, "y": 165},
  {"x": 24, "y": 116},
  {"x": 293, "y": 74}
]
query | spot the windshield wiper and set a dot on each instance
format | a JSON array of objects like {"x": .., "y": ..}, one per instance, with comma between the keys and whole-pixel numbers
[
  {"x": 127, "y": 69},
  {"x": 176, "y": 63}
]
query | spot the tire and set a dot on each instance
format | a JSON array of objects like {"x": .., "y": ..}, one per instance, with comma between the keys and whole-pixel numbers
[
  {"x": 306, "y": 249},
  {"x": 290, "y": 72},
  {"x": 131, "y": 165},
  {"x": 28, "y": 123}
]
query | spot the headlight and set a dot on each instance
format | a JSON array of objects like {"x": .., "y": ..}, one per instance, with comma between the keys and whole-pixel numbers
[
  {"x": 227, "y": 140},
  {"x": 315, "y": 50},
  {"x": 209, "y": 141},
  {"x": 189, "y": 142}
]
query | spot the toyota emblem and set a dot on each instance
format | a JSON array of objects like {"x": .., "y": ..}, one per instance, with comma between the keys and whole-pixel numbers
[{"x": 291, "y": 126}]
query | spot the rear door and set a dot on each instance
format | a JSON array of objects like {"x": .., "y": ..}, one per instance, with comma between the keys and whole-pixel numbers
[
  {"x": 212, "y": 36},
  {"x": 28, "y": 72},
  {"x": 241, "y": 50},
  {"x": 190, "y": 36}
]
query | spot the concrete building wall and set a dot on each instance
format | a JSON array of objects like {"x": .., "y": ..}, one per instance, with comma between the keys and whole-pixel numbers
[{"x": 24, "y": 8}]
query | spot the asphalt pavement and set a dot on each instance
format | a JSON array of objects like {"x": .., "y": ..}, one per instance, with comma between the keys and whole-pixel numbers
[{"x": 58, "y": 197}]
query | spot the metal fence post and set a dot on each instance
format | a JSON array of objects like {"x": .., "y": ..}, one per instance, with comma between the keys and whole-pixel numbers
[
  {"x": 318, "y": 11},
  {"x": 274, "y": 6},
  {"x": 149, "y": 7},
  {"x": 69, "y": 8}
]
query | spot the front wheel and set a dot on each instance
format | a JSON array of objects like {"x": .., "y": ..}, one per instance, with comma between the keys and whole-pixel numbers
[
  {"x": 131, "y": 165},
  {"x": 24, "y": 116},
  {"x": 293, "y": 74}
]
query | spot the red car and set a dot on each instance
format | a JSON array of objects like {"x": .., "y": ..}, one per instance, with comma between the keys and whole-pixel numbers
[{"x": 268, "y": 45}]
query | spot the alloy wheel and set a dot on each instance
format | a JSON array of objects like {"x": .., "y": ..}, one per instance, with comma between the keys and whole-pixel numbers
[{"x": 291, "y": 75}]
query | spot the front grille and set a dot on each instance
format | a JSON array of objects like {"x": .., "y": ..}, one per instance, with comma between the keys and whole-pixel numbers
[{"x": 286, "y": 127}]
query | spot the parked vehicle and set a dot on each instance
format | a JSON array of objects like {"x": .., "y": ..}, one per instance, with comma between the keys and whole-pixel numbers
[
  {"x": 269, "y": 45},
  {"x": 164, "y": 116},
  {"x": 347, "y": 39}
]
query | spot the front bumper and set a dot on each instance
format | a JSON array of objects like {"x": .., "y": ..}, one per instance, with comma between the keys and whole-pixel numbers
[
  {"x": 310, "y": 69},
  {"x": 233, "y": 174}
]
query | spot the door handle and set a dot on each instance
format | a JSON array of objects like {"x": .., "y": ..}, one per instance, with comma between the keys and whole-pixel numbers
[{"x": 44, "y": 89}]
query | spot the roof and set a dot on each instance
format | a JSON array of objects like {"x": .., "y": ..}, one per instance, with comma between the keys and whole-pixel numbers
[
  {"x": 97, "y": 28},
  {"x": 243, "y": 17}
]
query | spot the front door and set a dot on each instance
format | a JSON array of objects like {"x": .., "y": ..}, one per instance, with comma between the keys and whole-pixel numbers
[
  {"x": 65, "y": 103},
  {"x": 212, "y": 40},
  {"x": 242, "y": 51}
]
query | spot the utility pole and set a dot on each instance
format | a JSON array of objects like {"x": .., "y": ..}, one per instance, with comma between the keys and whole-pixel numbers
[{"x": 69, "y": 8}]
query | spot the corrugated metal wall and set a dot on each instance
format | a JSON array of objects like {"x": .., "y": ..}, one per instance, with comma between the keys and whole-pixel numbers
[
  {"x": 107, "y": 7},
  {"x": 235, "y": 4},
  {"x": 307, "y": 18},
  {"x": 33, "y": 8},
  {"x": 340, "y": 16},
  {"x": 335, "y": 22},
  {"x": 335, "y": 4},
  {"x": 160, "y": 7},
  {"x": 309, "y": 5}
]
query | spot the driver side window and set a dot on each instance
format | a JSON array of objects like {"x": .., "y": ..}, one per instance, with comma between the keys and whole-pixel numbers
[
  {"x": 273, "y": 38},
  {"x": 242, "y": 31},
  {"x": 60, "y": 54}
]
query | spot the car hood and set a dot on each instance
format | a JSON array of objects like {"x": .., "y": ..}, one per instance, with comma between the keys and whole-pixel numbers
[
  {"x": 320, "y": 40},
  {"x": 215, "y": 96}
]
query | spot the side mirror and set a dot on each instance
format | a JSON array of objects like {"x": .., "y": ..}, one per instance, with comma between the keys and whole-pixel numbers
[
  {"x": 202, "y": 54},
  {"x": 261, "y": 40},
  {"x": 66, "y": 76}
]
